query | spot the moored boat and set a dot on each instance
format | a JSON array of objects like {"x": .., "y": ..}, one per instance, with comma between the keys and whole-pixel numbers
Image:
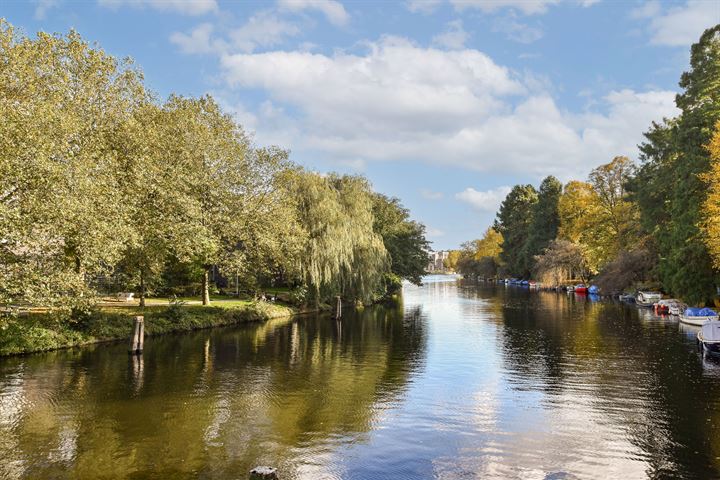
[
  {"x": 594, "y": 290},
  {"x": 626, "y": 298},
  {"x": 581, "y": 288},
  {"x": 570, "y": 288},
  {"x": 698, "y": 316},
  {"x": 647, "y": 299},
  {"x": 677, "y": 308},
  {"x": 663, "y": 306},
  {"x": 709, "y": 337}
]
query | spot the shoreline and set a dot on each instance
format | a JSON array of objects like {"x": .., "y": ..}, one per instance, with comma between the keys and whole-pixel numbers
[{"x": 30, "y": 334}]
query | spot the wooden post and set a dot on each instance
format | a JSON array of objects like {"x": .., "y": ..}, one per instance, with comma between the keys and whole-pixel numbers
[
  {"x": 263, "y": 473},
  {"x": 137, "y": 339},
  {"x": 338, "y": 309}
]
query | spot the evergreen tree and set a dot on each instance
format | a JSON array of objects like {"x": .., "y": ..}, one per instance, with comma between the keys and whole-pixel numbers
[
  {"x": 513, "y": 222},
  {"x": 546, "y": 218},
  {"x": 676, "y": 153}
]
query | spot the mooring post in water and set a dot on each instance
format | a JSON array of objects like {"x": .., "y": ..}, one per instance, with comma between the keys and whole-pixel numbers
[
  {"x": 338, "y": 308},
  {"x": 263, "y": 473},
  {"x": 138, "y": 336}
]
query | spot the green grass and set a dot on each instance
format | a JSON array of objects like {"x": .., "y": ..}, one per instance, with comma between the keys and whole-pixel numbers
[{"x": 42, "y": 332}]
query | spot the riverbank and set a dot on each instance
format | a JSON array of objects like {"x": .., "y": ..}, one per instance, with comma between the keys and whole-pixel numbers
[{"x": 39, "y": 332}]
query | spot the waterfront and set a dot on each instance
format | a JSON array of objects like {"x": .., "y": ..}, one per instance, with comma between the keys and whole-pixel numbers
[{"x": 460, "y": 381}]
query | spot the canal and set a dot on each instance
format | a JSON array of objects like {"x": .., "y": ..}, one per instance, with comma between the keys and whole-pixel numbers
[{"x": 457, "y": 382}]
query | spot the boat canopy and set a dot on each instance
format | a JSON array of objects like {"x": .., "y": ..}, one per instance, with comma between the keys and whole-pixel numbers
[
  {"x": 711, "y": 332},
  {"x": 700, "y": 312}
]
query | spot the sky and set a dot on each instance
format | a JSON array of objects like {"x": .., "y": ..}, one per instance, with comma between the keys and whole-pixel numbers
[{"x": 445, "y": 104}]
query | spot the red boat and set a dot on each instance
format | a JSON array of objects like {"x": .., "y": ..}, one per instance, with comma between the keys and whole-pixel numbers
[{"x": 581, "y": 289}]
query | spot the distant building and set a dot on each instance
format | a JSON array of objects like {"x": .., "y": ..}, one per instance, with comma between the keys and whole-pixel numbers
[{"x": 436, "y": 261}]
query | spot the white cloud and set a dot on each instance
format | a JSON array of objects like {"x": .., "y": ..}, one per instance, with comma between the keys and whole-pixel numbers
[
  {"x": 679, "y": 26},
  {"x": 263, "y": 29},
  {"x": 431, "y": 232},
  {"x": 185, "y": 7},
  {"x": 43, "y": 6},
  {"x": 402, "y": 102},
  {"x": 423, "y": 6},
  {"x": 198, "y": 41},
  {"x": 453, "y": 38},
  {"x": 431, "y": 195},
  {"x": 528, "y": 7},
  {"x": 516, "y": 31},
  {"x": 484, "y": 201},
  {"x": 333, "y": 10}
]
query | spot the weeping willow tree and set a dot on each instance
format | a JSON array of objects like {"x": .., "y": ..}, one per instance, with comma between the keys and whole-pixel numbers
[{"x": 342, "y": 254}]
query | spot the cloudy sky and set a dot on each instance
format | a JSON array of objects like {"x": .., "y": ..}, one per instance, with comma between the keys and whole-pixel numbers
[{"x": 443, "y": 103}]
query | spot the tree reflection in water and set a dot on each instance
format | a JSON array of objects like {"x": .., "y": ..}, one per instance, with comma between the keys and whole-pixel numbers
[{"x": 213, "y": 403}]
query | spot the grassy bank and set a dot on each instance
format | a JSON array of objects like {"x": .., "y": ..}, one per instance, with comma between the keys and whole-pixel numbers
[{"x": 41, "y": 332}]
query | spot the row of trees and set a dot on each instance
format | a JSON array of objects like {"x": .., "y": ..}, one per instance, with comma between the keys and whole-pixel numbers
[
  {"x": 656, "y": 223},
  {"x": 102, "y": 184}
]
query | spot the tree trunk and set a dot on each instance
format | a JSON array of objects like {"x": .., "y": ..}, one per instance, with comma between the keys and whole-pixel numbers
[
  {"x": 142, "y": 287},
  {"x": 206, "y": 287}
]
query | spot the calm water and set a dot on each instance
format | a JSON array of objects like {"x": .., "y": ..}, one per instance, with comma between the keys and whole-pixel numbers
[{"x": 460, "y": 382}]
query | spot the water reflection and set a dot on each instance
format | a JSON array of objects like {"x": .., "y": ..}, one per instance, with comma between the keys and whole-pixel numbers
[
  {"x": 462, "y": 381},
  {"x": 213, "y": 403}
]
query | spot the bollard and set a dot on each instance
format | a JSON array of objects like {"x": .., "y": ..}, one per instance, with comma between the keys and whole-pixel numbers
[
  {"x": 263, "y": 473},
  {"x": 137, "y": 339},
  {"x": 338, "y": 308}
]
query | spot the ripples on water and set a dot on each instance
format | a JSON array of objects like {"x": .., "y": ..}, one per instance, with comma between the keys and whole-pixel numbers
[{"x": 459, "y": 382}]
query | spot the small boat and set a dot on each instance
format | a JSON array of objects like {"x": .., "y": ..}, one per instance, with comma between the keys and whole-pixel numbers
[
  {"x": 570, "y": 288},
  {"x": 525, "y": 283},
  {"x": 647, "y": 299},
  {"x": 594, "y": 290},
  {"x": 698, "y": 316},
  {"x": 677, "y": 308},
  {"x": 581, "y": 288},
  {"x": 532, "y": 284},
  {"x": 663, "y": 306},
  {"x": 626, "y": 298},
  {"x": 709, "y": 337}
]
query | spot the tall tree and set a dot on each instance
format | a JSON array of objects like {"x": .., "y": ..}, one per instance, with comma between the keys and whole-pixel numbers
[
  {"x": 63, "y": 220},
  {"x": 711, "y": 207},
  {"x": 342, "y": 254},
  {"x": 676, "y": 152},
  {"x": 513, "y": 222},
  {"x": 545, "y": 217},
  {"x": 404, "y": 239}
]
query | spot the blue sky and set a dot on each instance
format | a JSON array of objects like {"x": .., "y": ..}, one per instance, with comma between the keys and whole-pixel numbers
[{"x": 442, "y": 103}]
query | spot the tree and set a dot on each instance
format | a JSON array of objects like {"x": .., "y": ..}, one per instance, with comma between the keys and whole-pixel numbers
[
  {"x": 450, "y": 263},
  {"x": 562, "y": 260},
  {"x": 625, "y": 270},
  {"x": 675, "y": 152},
  {"x": 545, "y": 217},
  {"x": 342, "y": 254},
  {"x": 490, "y": 245},
  {"x": 404, "y": 239},
  {"x": 711, "y": 207},
  {"x": 63, "y": 219},
  {"x": 513, "y": 222}
]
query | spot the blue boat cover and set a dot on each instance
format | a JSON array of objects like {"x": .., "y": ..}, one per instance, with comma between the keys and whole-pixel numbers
[
  {"x": 593, "y": 289},
  {"x": 699, "y": 312}
]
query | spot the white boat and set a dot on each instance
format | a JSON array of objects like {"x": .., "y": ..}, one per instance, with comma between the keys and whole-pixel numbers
[
  {"x": 709, "y": 337},
  {"x": 647, "y": 299},
  {"x": 698, "y": 316},
  {"x": 676, "y": 308}
]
